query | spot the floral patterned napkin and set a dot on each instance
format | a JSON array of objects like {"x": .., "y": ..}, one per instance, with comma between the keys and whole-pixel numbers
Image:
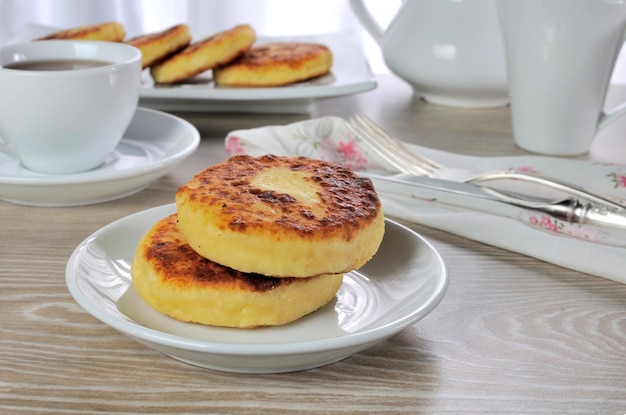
[{"x": 582, "y": 248}]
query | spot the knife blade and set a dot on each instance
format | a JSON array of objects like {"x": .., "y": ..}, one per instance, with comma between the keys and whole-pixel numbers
[{"x": 482, "y": 199}]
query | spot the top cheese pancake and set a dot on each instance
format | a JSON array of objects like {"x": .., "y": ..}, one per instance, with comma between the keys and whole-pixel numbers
[
  {"x": 157, "y": 46},
  {"x": 276, "y": 64},
  {"x": 109, "y": 31},
  {"x": 281, "y": 216}
]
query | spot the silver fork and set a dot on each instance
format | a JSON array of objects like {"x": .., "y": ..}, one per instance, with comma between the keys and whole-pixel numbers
[{"x": 408, "y": 161}]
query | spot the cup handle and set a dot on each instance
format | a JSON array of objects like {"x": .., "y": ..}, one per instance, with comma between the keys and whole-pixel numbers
[
  {"x": 607, "y": 117},
  {"x": 367, "y": 20}
]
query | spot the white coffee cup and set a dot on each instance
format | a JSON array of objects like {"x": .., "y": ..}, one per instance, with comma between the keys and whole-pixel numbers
[
  {"x": 66, "y": 120},
  {"x": 560, "y": 57}
]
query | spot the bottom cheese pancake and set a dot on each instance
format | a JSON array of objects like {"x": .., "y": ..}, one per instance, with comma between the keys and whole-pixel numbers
[
  {"x": 109, "y": 31},
  {"x": 275, "y": 64},
  {"x": 157, "y": 46},
  {"x": 281, "y": 216},
  {"x": 205, "y": 54},
  {"x": 176, "y": 281}
]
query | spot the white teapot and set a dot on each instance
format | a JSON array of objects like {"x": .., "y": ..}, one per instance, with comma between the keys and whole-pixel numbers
[{"x": 450, "y": 51}]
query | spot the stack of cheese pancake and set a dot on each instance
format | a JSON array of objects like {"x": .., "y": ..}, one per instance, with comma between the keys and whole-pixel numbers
[
  {"x": 258, "y": 241},
  {"x": 231, "y": 55},
  {"x": 205, "y": 54}
]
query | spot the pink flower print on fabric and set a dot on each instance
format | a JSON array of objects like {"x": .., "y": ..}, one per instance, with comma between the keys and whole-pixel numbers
[
  {"x": 569, "y": 229},
  {"x": 323, "y": 148},
  {"x": 525, "y": 169},
  {"x": 619, "y": 180},
  {"x": 234, "y": 146},
  {"x": 352, "y": 155},
  {"x": 544, "y": 222},
  {"x": 341, "y": 149}
]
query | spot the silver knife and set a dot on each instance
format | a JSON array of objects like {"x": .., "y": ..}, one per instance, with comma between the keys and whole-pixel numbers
[{"x": 477, "y": 198}]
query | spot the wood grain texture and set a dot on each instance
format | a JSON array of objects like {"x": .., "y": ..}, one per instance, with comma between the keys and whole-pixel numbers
[{"x": 512, "y": 336}]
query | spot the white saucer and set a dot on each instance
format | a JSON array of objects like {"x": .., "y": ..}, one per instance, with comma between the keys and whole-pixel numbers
[
  {"x": 153, "y": 144},
  {"x": 404, "y": 281}
]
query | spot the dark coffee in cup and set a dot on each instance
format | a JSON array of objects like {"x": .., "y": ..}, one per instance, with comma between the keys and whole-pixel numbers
[{"x": 56, "y": 65}]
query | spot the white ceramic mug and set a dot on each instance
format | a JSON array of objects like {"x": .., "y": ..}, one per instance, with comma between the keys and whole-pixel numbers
[
  {"x": 560, "y": 58},
  {"x": 449, "y": 51},
  {"x": 71, "y": 120}
]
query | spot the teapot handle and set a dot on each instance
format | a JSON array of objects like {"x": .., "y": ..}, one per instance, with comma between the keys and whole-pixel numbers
[{"x": 367, "y": 20}]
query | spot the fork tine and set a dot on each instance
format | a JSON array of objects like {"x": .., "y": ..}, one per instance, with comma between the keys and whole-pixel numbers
[
  {"x": 382, "y": 148},
  {"x": 378, "y": 138},
  {"x": 417, "y": 158}
]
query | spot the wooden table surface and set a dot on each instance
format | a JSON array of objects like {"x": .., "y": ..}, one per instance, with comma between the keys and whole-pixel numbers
[{"x": 513, "y": 335}]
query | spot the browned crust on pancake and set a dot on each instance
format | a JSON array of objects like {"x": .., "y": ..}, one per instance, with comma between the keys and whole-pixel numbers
[
  {"x": 155, "y": 47},
  {"x": 276, "y": 64},
  {"x": 173, "y": 279},
  {"x": 350, "y": 202},
  {"x": 219, "y": 49},
  {"x": 109, "y": 31},
  {"x": 177, "y": 265}
]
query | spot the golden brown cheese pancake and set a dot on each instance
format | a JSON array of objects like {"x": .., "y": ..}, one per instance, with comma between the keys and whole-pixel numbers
[
  {"x": 176, "y": 281},
  {"x": 276, "y": 64},
  {"x": 281, "y": 216},
  {"x": 155, "y": 47},
  {"x": 205, "y": 54},
  {"x": 109, "y": 31}
]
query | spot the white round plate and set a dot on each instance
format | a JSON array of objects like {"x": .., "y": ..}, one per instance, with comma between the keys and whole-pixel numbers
[
  {"x": 404, "y": 281},
  {"x": 154, "y": 143},
  {"x": 350, "y": 74}
]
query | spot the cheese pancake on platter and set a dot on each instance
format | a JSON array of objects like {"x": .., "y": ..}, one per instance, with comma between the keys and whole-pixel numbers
[
  {"x": 281, "y": 216},
  {"x": 205, "y": 54},
  {"x": 276, "y": 64},
  {"x": 176, "y": 281},
  {"x": 155, "y": 47},
  {"x": 109, "y": 31}
]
